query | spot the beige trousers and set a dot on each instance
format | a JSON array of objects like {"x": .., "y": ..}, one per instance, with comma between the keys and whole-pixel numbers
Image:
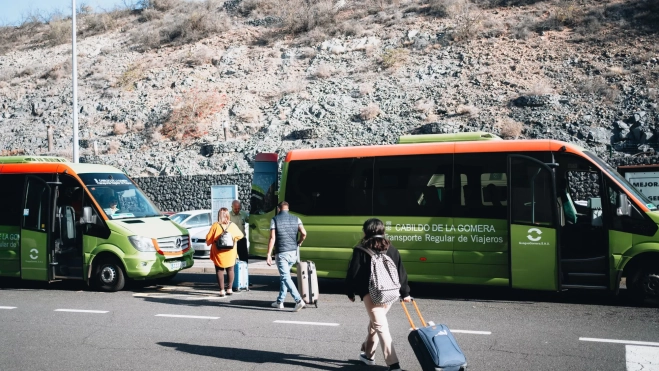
[{"x": 378, "y": 331}]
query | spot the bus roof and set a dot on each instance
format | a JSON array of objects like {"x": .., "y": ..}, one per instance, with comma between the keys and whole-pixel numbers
[
  {"x": 530, "y": 145},
  {"x": 30, "y": 159},
  {"x": 452, "y": 137},
  {"x": 49, "y": 164}
]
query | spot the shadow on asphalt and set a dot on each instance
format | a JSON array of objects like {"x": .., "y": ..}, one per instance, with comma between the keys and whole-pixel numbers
[{"x": 262, "y": 356}]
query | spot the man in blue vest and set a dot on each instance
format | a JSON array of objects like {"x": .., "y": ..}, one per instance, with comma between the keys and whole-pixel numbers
[{"x": 284, "y": 235}]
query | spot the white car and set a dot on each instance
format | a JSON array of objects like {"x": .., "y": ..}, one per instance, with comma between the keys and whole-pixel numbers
[{"x": 198, "y": 223}]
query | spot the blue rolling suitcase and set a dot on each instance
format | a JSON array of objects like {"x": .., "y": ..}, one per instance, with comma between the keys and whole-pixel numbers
[
  {"x": 240, "y": 276},
  {"x": 434, "y": 346}
]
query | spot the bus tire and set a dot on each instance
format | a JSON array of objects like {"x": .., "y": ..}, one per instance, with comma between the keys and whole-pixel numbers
[
  {"x": 645, "y": 283},
  {"x": 109, "y": 275}
]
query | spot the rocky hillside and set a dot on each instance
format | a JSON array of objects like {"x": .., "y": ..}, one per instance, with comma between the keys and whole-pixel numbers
[{"x": 175, "y": 87}]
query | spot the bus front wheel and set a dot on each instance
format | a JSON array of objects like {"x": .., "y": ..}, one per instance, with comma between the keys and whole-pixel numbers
[
  {"x": 109, "y": 275},
  {"x": 645, "y": 283}
]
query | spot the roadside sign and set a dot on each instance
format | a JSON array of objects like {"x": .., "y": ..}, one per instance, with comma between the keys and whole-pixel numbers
[
  {"x": 645, "y": 181},
  {"x": 222, "y": 196}
]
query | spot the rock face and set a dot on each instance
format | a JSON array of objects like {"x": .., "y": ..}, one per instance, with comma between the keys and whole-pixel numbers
[
  {"x": 210, "y": 106},
  {"x": 181, "y": 193}
]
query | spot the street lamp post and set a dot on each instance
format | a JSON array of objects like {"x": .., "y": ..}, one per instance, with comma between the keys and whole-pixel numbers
[{"x": 74, "y": 83}]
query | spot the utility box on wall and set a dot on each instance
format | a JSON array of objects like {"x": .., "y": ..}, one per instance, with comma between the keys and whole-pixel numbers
[{"x": 222, "y": 196}]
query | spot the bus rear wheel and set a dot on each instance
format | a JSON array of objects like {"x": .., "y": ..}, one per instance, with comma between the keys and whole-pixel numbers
[
  {"x": 645, "y": 283},
  {"x": 109, "y": 275}
]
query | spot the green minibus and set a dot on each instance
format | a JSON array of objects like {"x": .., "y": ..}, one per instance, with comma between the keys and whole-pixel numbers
[
  {"x": 469, "y": 208},
  {"x": 61, "y": 220}
]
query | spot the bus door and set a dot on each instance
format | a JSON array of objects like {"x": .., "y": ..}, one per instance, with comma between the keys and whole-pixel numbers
[
  {"x": 35, "y": 230},
  {"x": 533, "y": 225},
  {"x": 263, "y": 202}
]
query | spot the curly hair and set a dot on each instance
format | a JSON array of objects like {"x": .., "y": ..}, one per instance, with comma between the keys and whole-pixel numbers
[{"x": 374, "y": 238}]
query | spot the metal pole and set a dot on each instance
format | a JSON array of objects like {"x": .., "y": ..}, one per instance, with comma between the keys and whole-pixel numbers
[{"x": 74, "y": 67}]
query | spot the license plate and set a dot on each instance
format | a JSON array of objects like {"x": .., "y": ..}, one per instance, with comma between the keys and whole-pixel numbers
[{"x": 175, "y": 265}]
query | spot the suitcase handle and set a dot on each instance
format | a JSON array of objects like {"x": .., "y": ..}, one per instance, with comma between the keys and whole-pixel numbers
[{"x": 407, "y": 313}]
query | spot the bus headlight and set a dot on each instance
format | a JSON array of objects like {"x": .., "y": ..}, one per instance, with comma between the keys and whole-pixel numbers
[{"x": 143, "y": 244}]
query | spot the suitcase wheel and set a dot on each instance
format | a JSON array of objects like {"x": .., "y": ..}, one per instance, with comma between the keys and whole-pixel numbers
[{"x": 315, "y": 302}]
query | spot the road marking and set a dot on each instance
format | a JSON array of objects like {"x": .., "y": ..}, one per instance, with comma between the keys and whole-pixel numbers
[
  {"x": 81, "y": 311},
  {"x": 7, "y": 307},
  {"x": 472, "y": 332},
  {"x": 184, "y": 316},
  {"x": 631, "y": 342},
  {"x": 308, "y": 323},
  {"x": 642, "y": 358}
]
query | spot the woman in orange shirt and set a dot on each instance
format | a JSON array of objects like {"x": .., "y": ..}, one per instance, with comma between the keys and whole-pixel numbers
[{"x": 224, "y": 259}]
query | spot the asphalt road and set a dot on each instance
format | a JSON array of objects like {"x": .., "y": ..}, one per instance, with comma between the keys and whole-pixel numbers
[{"x": 186, "y": 326}]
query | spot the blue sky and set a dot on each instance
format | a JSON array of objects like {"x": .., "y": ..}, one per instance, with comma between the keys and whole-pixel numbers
[{"x": 14, "y": 11}]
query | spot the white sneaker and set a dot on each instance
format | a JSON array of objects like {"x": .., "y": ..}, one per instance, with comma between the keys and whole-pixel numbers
[
  {"x": 277, "y": 305},
  {"x": 299, "y": 305},
  {"x": 367, "y": 361}
]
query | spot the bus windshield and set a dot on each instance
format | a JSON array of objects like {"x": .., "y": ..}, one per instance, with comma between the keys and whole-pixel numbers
[
  {"x": 118, "y": 196},
  {"x": 621, "y": 179}
]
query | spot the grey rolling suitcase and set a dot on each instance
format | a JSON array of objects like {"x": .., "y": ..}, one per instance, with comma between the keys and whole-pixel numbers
[{"x": 307, "y": 281}]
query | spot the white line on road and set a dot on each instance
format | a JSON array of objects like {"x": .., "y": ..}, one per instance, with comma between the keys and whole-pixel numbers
[
  {"x": 632, "y": 342},
  {"x": 642, "y": 358},
  {"x": 472, "y": 332},
  {"x": 308, "y": 323},
  {"x": 81, "y": 311},
  {"x": 184, "y": 316},
  {"x": 7, "y": 307}
]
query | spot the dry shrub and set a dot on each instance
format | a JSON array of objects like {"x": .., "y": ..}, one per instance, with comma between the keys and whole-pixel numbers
[
  {"x": 307, "y": 53},
  {"x": 292, "y": 87},
  {"x": 598, "y": 86},
  {"x": 99, "y": 23},
  {"x": 25, "y": 72},
  {"x": 190, "y": 114},
  {"x": 12, "y": 152},
  {"x": 467, "y": 110},
  {"x": 369, "y": 112},
  {"x": 424, "y": 106},
  {"x": 449, "y": 8},
  {"x": 249, "y": 115},
  {"x": 324, "y": 71},
  {"x": 394, "y": 58},
  {"x": 133, "y": 74},
  {"x": 58, "y": 32},
  {"x": 540, "y": 88},
  {"x": 161, "y": 5},
  {"x": 137, "y": 127},
  {"x": 202, "y": 55},
  {"x": 616, "y": 71},
  {"x": 509, "y": 128},
  {"x": 113, "y": 147},
  {"x": 366, "y": 89},
  {"x": 58, "y": 71},
  {"x": 119, "y": 128},
  {"x": 186, "y": 23},
  {"x": 292, "y": 16}
]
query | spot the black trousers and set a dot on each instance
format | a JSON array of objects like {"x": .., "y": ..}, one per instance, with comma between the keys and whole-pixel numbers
[{"x": 242, "y": 250}]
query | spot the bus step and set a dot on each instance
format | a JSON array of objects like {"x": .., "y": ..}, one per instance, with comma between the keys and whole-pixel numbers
[
  {"x": 585, "y": 279},
  {"x": 586, "y": 265},
  {"x": 584, "y": 287}
]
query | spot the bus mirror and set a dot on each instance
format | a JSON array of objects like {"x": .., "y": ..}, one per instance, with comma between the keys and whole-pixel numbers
[
  {"x": 623, "y": 206},
  {"x": 87, "y": 217}
]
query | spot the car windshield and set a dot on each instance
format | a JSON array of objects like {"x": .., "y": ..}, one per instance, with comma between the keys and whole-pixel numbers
[
  {"x": 118, "y": 196},
  {"x": 179, "y": 218}
]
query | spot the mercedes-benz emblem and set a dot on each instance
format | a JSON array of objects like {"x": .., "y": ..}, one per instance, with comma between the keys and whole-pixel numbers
[{"x": 178, "y": 243}]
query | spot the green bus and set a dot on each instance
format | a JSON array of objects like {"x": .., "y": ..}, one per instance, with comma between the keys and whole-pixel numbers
[
  {"x": 469, "y": 208},
  {"x": 61, "y": 220}
]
